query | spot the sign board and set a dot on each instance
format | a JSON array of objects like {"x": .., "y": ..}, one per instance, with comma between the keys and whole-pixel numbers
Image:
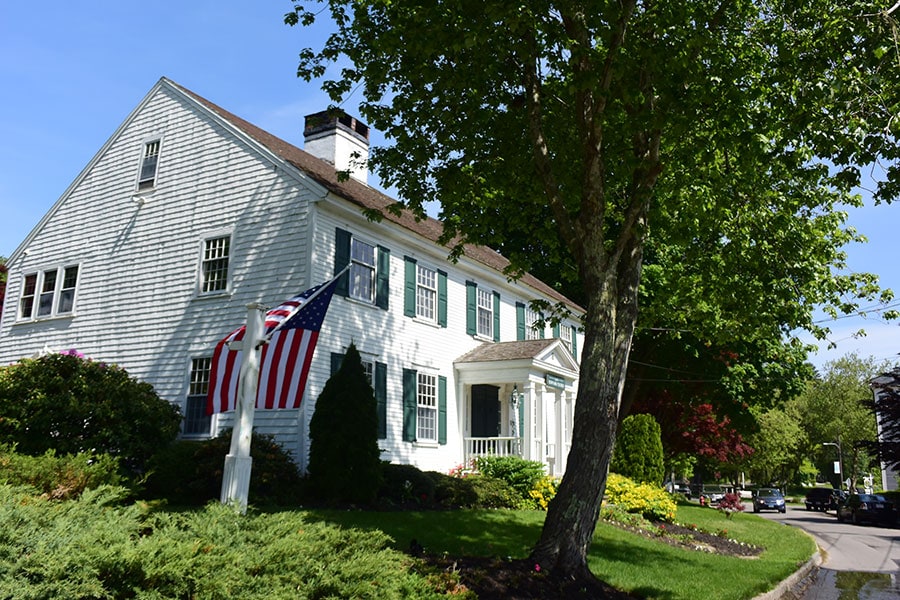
[{"x": 554, "y": 381}]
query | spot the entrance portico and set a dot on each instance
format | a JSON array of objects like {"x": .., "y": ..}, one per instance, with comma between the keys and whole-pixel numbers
[{"x": 518, "y": 399}]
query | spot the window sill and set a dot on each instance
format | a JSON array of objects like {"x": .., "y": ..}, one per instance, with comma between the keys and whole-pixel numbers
[
  {"x": 212, "y": 295},
  {"x": 44, "y": 319},
  {"x": 426, "y": 322},
  {"x": 426, "y": 444}
]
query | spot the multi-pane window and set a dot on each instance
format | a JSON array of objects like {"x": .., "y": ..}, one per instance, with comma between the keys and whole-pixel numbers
[
  {"x": 48, "y": 293},
  {"x": 565, "y": 334},
  {"x": 149, "y": 162},
  {"x": 532, "y": 332},
  {"x": 485, "y": 317},
  {"x": 426, "y": 293},
  {"x": 214, "y": 266},
  {"x": 362, "y": 271},
  {"x": 426, "y": 407},
  {"x": 196, "y": 421}
]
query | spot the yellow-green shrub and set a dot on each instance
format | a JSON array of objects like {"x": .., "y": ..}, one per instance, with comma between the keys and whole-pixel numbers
[
  {"x": 544, "y": 491},
  {"x": 648, "y": 500}
]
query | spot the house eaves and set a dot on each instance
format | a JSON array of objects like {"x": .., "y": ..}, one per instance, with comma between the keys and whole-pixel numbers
[{"x": 369, "y": 198}]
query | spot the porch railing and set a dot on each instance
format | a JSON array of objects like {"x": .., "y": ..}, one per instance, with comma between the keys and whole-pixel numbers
[{"x": 493, "y": 446}]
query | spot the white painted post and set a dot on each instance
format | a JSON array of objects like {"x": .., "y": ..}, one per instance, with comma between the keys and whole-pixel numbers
[{"x": 238, "y": 463}]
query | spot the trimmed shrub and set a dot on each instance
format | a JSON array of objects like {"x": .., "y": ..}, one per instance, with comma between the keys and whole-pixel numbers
[
  {"x": 190, "y": 472},
  {"x": 73, "y": 405},
  {"x": 638, "y": 453},
  {"x": 344, "y": 457},
  {"x": 405, "y": 485},
  {"x": 58, "y": 477},
  {"x": 520, "y": 474},
  {"x": 491, "y": 492},
  {"x": 544, "y": 491},
  {"x": 93, "y": 548},
  {"x": 652, "y": 502}
]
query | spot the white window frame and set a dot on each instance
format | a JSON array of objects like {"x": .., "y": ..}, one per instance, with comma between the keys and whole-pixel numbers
[
  {"x": 211, "y": 269},
  {"x": 426, "y": 293},
  {"x": 484, "y": 317},
  {"x": 362, "y": 273},
  {"x": 53, "y": 294},
  {"x": 149, "y": 158},
  {"x": 196, "y": 422},
  {"x": 426, "y": 407},
  {"x": 565, "y": 334},
  {"x": 531, "y": 317}
]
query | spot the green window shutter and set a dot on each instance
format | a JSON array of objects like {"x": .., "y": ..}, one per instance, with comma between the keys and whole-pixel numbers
[
  {"x": 471, "y": 311},
  {"x": 442, "y": 410},
  {"x": 336, "y": 360},
  {"x": 409, "y": 405},
  {"x": 379, "y": 384},
  {"x": 544, "y": 328},
  {"x": 341, "y": 260},
  {"x": 520, "y": 321},
  {"x": 382, "y": 278},
  {"x": 575, "y": 342},
  {"x": 496, "y": 316},
  {"x": 442, "y": 298},
  {"x": 409, "y": 287},
  {"x": 556, "y": 331}
]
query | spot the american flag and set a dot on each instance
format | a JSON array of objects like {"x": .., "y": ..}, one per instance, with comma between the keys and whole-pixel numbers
[{"x": 291, "y": 330}]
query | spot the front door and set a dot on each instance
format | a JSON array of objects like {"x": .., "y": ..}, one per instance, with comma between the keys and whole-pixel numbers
[{"x": 485, "y": 411}]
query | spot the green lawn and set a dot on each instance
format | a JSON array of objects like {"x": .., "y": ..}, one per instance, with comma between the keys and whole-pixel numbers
[{"x": 625, "y": 560}]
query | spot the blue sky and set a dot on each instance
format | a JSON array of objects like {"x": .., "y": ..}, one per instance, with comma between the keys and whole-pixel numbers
[{"x": 72, "y": 72}]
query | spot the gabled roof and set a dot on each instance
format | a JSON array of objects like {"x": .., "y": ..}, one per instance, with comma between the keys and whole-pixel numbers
[
  {"x": 488, "y": 351},
  {"x": 364, "y": 196}
]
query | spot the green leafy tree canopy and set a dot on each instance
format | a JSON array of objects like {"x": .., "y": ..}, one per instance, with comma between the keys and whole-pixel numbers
[{"x": 731, "y": 132}]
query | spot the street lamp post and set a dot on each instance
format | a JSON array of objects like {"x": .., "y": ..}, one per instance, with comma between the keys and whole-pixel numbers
[{"x": 840, "y": 460}]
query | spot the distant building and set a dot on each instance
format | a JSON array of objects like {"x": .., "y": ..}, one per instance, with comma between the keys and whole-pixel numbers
[{"x": 880, "y": 385}]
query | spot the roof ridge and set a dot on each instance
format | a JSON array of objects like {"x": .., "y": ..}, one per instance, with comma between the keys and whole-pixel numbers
[{"x": 366, "y": 196}]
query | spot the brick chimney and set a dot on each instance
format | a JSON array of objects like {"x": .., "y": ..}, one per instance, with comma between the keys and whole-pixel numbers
[{"x": 336, "y": 138}]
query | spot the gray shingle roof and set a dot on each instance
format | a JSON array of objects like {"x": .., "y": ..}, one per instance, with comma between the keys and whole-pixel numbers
[
  {"x": 367, "y": 197},
  {"x": 491, "y": 351}
]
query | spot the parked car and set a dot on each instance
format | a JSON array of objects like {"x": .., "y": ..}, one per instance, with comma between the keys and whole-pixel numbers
[
  {"x": 768, "y": 499},
  {"x": 714, "y": 493},
  {"x": 820, "y": 499},
  {"x": 678, "y": 488},
  {"x": 867, "y": 508}
]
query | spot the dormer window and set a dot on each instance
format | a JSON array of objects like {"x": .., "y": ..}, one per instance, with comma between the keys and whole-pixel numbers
[{"x": 149, "y": 163}]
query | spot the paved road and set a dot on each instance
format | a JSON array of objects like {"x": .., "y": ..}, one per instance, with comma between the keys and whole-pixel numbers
[{"x": 858, "y": 561}]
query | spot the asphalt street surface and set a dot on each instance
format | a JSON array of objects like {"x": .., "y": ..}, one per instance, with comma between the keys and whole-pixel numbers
[{"x": 859, "y": 561}]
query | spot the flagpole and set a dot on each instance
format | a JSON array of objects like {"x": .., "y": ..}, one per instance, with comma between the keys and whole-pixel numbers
[
  {"x": 321, "y": 289},
  {"x": 238, "y": 462}
]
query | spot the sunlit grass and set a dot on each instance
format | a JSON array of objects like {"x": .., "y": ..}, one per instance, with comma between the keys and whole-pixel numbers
[{"x": 623, "y": 559}]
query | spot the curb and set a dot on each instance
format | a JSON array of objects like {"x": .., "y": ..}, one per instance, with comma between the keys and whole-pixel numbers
[{"x": 782, "y": 588}]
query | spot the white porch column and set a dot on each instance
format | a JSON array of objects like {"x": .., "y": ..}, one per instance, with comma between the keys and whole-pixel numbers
[
  {"x": 528, "y": 427},
  {"x": 539, "y": 452}
]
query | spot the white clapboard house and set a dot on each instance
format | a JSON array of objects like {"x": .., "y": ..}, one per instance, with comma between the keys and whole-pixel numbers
[{"x": 188, "y": 214}]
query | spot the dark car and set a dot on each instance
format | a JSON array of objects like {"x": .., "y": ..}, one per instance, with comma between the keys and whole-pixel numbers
[
  {"x": 867, "y": 508},
  {"x": 768, "y": 499},
  {"x": 820, "y": 499}
]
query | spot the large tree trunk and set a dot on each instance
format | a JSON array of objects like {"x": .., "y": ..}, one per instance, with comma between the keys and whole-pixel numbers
[{"x": 608, "y": 329}]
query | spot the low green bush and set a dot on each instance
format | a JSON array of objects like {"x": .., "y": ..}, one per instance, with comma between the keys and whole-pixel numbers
[
  {"x": 58, "y": 477},
  {"x": 190, "y": 472},
  {"x": 519, "y": 473},
  {"x": 405, "y": 485},
  {"x": 93, "y": 548},
  {"x": 491, "y": 492},
  {"x": 652, "y": 502}
]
